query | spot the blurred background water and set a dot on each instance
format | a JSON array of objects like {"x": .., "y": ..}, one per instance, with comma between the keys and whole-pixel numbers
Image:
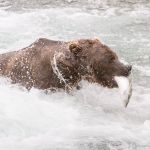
[{"x": 93, "y": 118}]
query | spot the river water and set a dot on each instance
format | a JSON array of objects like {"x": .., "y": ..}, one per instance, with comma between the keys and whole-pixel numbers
[{"x": 92, "y": 118}]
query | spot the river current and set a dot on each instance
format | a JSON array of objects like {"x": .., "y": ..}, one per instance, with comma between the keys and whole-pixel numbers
[{"x": 92, "y": 118}]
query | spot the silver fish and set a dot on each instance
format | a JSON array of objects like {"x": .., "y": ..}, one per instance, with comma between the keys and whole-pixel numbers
[{"x": 125, "y": 87}]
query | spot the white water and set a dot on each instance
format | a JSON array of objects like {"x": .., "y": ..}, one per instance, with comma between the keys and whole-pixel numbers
[{"x": 92, "y": 118}]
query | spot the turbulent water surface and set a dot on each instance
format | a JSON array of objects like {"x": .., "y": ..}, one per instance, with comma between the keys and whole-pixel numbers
[{"x": 94, "y": 117}]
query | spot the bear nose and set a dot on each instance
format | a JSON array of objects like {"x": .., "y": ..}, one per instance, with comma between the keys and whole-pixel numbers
[{"x": 129, "y": 68}]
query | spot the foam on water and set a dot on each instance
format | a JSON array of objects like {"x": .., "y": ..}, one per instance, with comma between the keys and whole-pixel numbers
[
  {"x": 93, "y": 117},
  {"x": 143, "y": 70},
  {"x": 34, "y": 120}
]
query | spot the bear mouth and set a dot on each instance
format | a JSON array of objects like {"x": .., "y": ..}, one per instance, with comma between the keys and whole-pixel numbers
[
  {"x": 123, "y": 83},
  {"x": 108, "y": 82}
]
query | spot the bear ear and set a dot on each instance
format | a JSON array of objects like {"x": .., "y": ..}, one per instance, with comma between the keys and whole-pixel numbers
[
  {"x": 96, "y": 40},
  {"x": 74, "y": 48}
]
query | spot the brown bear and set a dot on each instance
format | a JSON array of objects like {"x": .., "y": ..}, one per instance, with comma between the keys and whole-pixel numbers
[{"x": 47, "y": 64}]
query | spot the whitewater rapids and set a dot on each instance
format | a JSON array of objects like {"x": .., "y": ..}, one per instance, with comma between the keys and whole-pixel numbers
[{"x": 92, "y": 118}]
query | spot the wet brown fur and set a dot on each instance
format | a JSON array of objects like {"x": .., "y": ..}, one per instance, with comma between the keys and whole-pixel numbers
[{"x": 86, "y": 59}]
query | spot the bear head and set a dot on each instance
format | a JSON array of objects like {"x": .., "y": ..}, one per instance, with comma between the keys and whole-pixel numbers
[{"x": 98, "y": 62}]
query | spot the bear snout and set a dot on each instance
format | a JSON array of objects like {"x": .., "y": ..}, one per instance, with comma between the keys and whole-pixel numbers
[
  {"x": 129, "y": 68},
  {"x": 121, "y": 69}
]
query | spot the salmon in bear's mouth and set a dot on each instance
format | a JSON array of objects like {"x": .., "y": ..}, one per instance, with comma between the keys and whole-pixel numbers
[
  {"x": 124, "y": 83},
  {"x": 125, "y": 87}
]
